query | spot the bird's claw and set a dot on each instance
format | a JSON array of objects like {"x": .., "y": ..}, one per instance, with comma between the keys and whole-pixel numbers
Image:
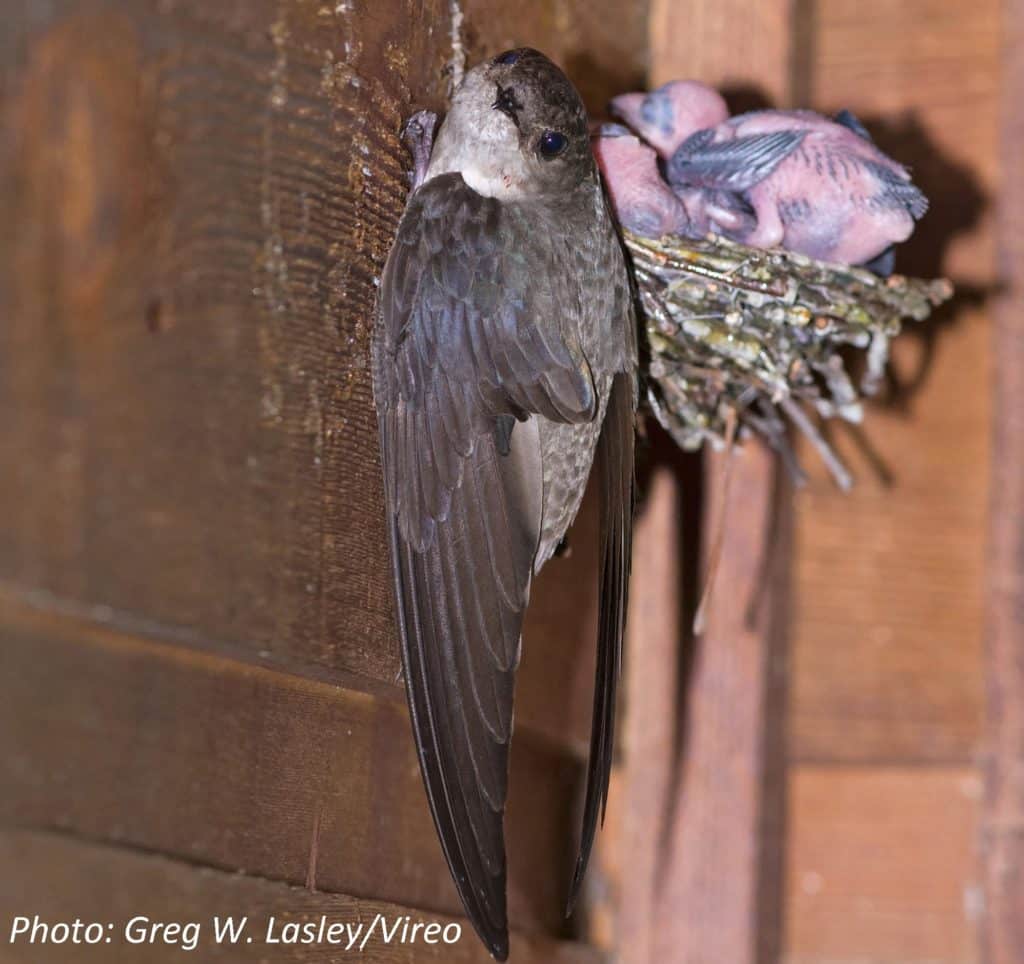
[{"x": 418, "y": 136}]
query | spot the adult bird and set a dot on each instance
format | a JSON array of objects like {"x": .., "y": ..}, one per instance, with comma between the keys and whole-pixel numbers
[{"x": 504, "y": 358}]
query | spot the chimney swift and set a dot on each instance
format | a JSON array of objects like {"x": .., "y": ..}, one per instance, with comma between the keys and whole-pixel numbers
[
  {"x": 788, "y": 178},
  {"x": 642, "y": 200},
  {"x": 504, "y": 361},
  {"x": 798, "y": 180},
  {"x": 667, "y": 116}
]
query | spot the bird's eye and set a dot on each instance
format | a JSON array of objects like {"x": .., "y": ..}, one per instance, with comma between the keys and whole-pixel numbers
[
  {"x": 551, "y": 144},
  {"x": 508, "y": 57}
]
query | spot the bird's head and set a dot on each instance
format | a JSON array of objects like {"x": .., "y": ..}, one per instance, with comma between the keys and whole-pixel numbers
[
  {"x": 667, "y": 116},
  {"x": 516, "y": 128}
]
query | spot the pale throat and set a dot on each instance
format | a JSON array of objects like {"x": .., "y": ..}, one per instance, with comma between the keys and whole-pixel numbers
[
  {"x": 487, "y": 157},
  {"x": 493, "y": 181}
]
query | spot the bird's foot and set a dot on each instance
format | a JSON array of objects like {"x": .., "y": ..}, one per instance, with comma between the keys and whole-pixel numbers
[
  {"x": 883, "y": 264},
  {"x": 418, "y": 137}
]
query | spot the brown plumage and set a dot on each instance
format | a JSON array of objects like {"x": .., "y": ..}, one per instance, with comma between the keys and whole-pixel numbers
[{"x": 504, "y": 365}]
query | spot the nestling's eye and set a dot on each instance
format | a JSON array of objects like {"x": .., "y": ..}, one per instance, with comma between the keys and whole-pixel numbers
[
  {"x": 551, "y": 144},
  {"x": 508, "y": 57}
]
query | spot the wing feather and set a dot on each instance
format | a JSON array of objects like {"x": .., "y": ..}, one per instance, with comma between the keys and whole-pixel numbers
[
  {"x": 459, "y": 358},
  {"x": 614, "y": 464},
  {"x": 735, "y": 165}
]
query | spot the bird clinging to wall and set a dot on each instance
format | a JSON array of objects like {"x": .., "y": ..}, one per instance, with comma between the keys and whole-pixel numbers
[{"x": 504, "y": 360}]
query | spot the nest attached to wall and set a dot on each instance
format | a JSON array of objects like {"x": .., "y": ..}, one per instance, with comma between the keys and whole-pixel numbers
[{"x": 744, "y": 341}]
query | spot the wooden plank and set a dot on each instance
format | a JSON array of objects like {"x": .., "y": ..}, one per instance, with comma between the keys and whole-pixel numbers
[
  {"x": 61, "y": 879},
  {"x": 199, "y": 200},
  {"x": 712, "y": 840},
  {"x": 198, "y": 228},
  {"x": 711, "y": 902},
  {"x": 888, "y": 591},
  {"x": 888, "y": 608},
  {"x": 1002, "y": 842},
  {"x": 602, "y": 44},
  {"x": 881, "y": 865},
  {"x": 744, "y": 48},
  {"x": 223, "y": 764},
  {"x": 630, "y": 857},
  {"x": 682, "y": 871}
]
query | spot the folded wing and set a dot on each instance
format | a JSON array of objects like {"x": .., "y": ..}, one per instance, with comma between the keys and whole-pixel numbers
[
  {"x": 734, "y": 165},
  {"x": 459, "y": 367}
]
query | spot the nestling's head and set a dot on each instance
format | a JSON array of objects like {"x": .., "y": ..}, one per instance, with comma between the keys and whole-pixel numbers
[
  {"x": 516, "y": 128},
  {"x": 669, "y": 115}
]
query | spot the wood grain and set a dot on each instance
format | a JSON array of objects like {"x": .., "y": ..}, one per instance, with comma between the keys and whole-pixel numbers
[
  {"x": 199, "y": 202},
  {"x": 714, "y": 896},
  {"x": 690, "y": 869},
  {"x": 713, "y": 835},
  {"x": 1002, "y": 845},
  {"x": 888, "y": 591},
  {"x": 631, "y": 858},
  {"x": 602, "y": 44},
  {"x": 881, "y": 865},
  {"x": 168, "y": 750},
  {"x": 109, "y": 884},
  {"x": 743, "y": 48}
]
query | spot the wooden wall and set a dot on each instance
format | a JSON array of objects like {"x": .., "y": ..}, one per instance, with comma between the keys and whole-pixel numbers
[
  {"x": 886, "y": 712},
  {"x": 808, "y": 785},
  {"x": 198, "y": 667},
  {"x": 199, "y": 710},
  {"x": 1002, "y": 856}
]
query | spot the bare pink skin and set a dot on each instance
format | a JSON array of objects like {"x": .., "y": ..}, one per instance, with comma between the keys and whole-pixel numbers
[
  {"x": 643, "y": 201},
  {"x": 667, "y": 116},
  {"x": 835, "y": 197}
]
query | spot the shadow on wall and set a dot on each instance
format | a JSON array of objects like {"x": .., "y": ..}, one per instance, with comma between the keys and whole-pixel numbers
[
  {"x": 957, "y": 204},
  {"x": 598, "y": 83}
]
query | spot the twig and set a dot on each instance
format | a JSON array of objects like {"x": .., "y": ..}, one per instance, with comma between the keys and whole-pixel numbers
[
  {"x": 799, "y": 418},
  {"x": 700, "y": 617},
  {"x": 743, "y": 333}
]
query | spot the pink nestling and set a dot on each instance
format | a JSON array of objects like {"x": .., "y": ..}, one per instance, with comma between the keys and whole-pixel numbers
[
  {"x": 793, "y": 179},
  {"x": 669, "y": 115},
  {"x": 798, "y": 180},
  {"x": 643, "y": 201}
]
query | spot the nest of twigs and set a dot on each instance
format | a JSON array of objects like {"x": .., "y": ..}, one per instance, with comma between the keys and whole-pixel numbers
[{"x": 748, "y": 341}]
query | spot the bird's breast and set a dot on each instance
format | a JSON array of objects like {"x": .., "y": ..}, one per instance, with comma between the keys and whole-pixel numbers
[{"x": 567, "y": 454}]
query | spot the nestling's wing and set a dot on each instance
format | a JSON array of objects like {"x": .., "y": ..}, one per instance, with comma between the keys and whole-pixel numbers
[
  {"x": 457, "y": 360},
  {"x": 848, "y": 119},
  {"x": 735, "y": 165},
  {"x": 614, "y": 465},
  {"x": 896, "y": 189}
]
